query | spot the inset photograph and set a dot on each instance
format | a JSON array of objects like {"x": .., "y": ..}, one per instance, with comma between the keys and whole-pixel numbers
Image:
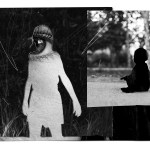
[
  {"x": 118, "y": 58},
  {"x": 118, "y": 70}
]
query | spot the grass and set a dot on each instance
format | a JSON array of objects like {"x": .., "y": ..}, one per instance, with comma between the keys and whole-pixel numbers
[
  {"x": 13, "y": 123},
  {"x": 108, "y": 73}
]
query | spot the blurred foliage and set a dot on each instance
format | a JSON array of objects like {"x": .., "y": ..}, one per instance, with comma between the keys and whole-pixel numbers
[
  {"x": 111, "y": 30},
  {"x": 114, "y": 35}
]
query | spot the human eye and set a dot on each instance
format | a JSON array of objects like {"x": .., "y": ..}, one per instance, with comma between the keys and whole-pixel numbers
[{"x": 40, "y": 41}]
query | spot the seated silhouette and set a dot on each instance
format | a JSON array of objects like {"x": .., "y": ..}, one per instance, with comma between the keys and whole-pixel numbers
[{"x": 138, "y": 80}]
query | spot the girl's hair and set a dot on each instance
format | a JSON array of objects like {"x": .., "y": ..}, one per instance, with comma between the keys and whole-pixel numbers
[
  {"x": 140, "y": 55},
  {"x": 43, "y": 32}
]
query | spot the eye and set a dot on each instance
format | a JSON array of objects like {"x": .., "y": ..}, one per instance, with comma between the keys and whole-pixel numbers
[
  {"x": 40, "y": 42},
  {"x": 39, "y": 46}
]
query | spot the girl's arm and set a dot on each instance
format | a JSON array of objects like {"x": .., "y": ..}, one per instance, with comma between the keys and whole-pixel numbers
[
  {"x": 26, "y": 96},
  {"x": 69, "y": 87}
]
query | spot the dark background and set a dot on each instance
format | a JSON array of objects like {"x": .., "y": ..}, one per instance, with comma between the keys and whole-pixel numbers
[
  {"x": 70, "y": 37},
  {"x": 131, "y": 123}
]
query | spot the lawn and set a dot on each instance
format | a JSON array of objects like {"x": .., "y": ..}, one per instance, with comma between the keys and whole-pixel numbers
[{"x": 103, "y": 89}]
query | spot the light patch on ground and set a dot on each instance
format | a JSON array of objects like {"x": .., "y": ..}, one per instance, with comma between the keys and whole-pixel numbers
[{"x": 105, "y": 91}]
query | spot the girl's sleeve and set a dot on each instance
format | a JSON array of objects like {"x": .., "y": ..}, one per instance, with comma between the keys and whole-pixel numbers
[{"x": 65, "y": 80}]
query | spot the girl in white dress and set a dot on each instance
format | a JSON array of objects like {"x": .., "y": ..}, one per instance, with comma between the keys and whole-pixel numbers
[{"x": 45, "y": 104}]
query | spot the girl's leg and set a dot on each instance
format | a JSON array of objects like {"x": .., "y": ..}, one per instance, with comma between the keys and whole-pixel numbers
[
  {"x": 56, "y": 131},
  {"x": 34, "y": 128}
]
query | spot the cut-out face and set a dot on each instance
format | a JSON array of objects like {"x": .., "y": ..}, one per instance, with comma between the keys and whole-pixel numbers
[{"x": 39, "y": 45}]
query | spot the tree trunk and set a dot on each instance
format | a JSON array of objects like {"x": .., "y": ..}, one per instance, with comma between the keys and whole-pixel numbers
[
  {"x": 127, "y": 43},
  {"x": 145, "y": 15}
]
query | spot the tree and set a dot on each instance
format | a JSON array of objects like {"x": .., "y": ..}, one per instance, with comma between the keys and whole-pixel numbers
[
  {"x": 122, "y": 28},
  {"x": 112, "y": 35},
  {"x": 128, "y": 41},
  {"x": 145, "y": 15}
]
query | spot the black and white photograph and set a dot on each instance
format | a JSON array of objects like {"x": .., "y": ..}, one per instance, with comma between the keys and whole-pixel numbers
[
  {"x": 43, "y": 81},
  {"x": 74, "y": 74},
  {"x": 118, "y": 77}
]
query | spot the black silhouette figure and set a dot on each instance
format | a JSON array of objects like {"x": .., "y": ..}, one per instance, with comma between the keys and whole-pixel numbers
[{"x": 138, "y": 80}]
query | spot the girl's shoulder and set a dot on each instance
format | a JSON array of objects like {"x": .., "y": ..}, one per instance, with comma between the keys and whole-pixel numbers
[
  {"x": 57, "y": 57},
  {"x": 55, "y": 54}
]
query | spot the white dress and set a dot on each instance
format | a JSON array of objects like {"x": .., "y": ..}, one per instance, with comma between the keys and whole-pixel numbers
[{"x": 45, "y": 106}]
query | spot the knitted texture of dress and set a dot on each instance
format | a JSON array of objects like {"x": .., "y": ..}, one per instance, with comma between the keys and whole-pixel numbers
[
  {"x": 45, "y": 67},
  {"x": 45, "y": 107}
]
